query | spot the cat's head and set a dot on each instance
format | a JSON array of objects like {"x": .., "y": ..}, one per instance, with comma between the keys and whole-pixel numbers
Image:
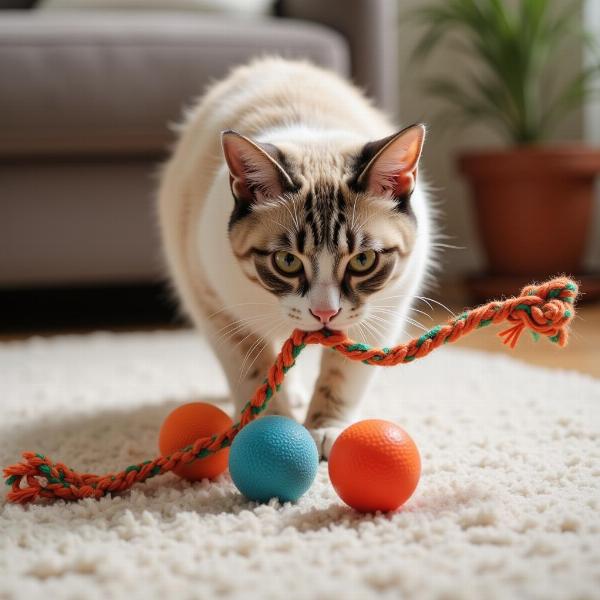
[{"x": 323, "y": 228}]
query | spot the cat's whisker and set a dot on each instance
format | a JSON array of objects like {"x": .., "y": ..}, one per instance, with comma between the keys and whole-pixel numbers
[
  {"x": 361, "y": 226},
  {"x": 211, "y": 315},
  {"x": 251, "y": 332},
  {"x": 244, "y": 330},
  {"x": 376, "y": 331},
  {"x": 371, "y": 329},
  {"x": 281, "y": 201},
  {"x": 396, "y": 296},
  {"x": 421, "y": 311},
  {"x": 414, "y": 298},
  {"x": 381, "y": 322},
  {"x": 426, "y": 302},
  {"x": 361, "y": 331},
  {"x": 243, "y": 321},
  {"x": 387, "y": 313},
  {"x": 388, "y": 323},
  {"x": 369, "y": 217},
  {"x": 283, "y": 227},
  {"x": 353, "y": 211},
  {"x": 292, "y": 203},
  {"x": 417, "y": 324},
  {"x": 357, "y": 228},
  {"x": 259, "y": 342},
  {"x": 294, "y": 217},
  {"x": 424, "y": 299},
  {"x": 438, "y": 245},
  {"x": 240, "y": 327},
  {"x": 264, "y": 345},
  {"x": 261, "y": 339},
  {"x": 242, "y": 340},
  {"x": 391, "y": 306},
  {"x": 408, "y": 319}
]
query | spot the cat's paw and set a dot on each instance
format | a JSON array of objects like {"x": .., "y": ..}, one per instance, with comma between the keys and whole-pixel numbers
[{"x": 324, "y": 439}]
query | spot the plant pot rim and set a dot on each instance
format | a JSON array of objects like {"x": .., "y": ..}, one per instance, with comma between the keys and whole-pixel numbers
[{"x": 551, "y": 160}]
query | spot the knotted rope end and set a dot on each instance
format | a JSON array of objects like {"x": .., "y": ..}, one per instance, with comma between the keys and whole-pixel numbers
[{"x": 545, "y": 309}]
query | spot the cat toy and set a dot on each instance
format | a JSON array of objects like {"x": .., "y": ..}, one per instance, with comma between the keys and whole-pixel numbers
[
  {"x": 546, "y": 309},
  {"x": 374, "y": 465},
  {"x": 273, "y": 457}
]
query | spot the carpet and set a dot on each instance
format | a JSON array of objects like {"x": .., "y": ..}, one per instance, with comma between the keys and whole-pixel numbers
[{"x": 508, "y": 505}]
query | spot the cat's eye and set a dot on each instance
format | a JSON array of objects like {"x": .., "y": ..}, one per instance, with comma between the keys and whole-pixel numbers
[
  {"x": 287, "y": 263},
  {"x": 363, "y": 261}
]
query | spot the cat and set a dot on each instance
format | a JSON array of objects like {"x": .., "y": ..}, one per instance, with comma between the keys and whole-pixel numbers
[{"x": 290, "y": 201}]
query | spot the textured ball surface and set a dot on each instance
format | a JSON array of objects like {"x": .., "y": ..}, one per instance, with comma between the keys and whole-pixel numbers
[
  {"x": 374, "y": 465},
  {"x": 273, "y": 457},
  {"x": 183, "y": 427}
]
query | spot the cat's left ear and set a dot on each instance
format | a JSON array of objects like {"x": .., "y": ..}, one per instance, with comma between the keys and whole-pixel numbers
[
  {"x": 390, "y": 165},
  {"x": 254, "y": 168}
]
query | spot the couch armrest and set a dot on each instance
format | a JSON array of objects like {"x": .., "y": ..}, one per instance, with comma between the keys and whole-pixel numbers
[{"x": 371, "y": 28}]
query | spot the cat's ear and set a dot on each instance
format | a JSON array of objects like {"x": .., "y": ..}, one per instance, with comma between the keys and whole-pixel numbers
[
  {"x": 253, "y": 167},
  {"x": 390, "y": 165}
]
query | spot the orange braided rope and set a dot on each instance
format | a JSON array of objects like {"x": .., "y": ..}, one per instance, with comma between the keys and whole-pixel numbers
[{"x": 546, "y": 309}]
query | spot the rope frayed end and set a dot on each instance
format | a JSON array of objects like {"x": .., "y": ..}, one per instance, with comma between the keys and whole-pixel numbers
[
  {"x": 545, "y": 309},
  {"x": 27, "y": 470}
]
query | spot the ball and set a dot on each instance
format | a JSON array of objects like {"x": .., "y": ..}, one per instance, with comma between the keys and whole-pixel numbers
[
  {"x": 374, "y": 465},
  {"x": 273, "y": 457},
  {"x": 183, "y": 427}
]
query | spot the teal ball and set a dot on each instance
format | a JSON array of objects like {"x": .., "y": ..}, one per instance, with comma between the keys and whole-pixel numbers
[{"x": 273, "y": 457}]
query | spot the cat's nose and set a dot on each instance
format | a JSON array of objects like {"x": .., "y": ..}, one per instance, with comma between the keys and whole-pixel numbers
[{"x": 325, "y": 315}]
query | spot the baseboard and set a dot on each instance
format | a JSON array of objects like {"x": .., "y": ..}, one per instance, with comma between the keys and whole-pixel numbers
[{"x": 91, "y": 307}]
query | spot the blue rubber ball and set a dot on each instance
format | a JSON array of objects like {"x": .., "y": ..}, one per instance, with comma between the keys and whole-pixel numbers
[{"x": 273, "y": 457}]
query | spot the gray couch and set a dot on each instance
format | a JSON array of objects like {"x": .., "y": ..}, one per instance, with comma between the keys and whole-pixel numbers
[{"x": 85, "y": 103}]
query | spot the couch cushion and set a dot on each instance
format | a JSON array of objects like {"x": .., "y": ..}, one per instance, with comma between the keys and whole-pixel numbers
[{"x": 75, "y": 82}]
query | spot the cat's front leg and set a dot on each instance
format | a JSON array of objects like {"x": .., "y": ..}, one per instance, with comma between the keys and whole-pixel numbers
[
  {"x": 246, "y": 363},
  {"x": 340, "y": 389}
]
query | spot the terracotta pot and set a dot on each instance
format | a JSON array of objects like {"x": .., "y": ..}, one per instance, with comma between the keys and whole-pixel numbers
[{"x": 533, "y": 206}]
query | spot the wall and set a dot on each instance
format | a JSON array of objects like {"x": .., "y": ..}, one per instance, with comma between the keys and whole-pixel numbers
[
  {"x": 442, "y": 146},
  {"x": 591, "y": 119}
]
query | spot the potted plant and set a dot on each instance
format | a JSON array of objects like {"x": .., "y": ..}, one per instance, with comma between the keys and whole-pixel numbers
[{"x": 534, "y": 198}]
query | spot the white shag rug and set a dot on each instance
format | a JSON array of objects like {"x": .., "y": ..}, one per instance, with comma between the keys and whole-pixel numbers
[{"x": 508, "y": 505}]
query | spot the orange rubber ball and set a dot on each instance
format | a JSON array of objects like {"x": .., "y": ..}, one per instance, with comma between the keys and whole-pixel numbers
[
  {"x": 183, "y": 427},
  {"x": 374, "y": 465}
]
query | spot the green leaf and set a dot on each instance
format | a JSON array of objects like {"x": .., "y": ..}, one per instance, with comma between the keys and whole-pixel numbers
[
  {"x": 574, "y": 92},
  {"x": 517, "y": 45}
]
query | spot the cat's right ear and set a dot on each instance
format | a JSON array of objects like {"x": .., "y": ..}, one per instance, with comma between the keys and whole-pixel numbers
[{"x": 254, "y": 170}]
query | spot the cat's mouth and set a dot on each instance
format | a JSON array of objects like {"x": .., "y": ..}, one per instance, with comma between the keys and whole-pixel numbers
[
  {"x": 334, "y": 326},
  {"x": 310, "y": 320}
]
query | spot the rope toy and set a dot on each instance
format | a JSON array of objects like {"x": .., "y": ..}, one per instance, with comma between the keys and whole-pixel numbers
[{"x": 546, "y": 309}]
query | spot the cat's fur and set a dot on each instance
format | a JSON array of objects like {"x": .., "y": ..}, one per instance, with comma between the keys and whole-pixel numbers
[{"x": 305, "y": 178}]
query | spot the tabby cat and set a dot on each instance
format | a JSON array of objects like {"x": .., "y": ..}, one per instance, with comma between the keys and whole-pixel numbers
[{"x": 291, "y": 202}]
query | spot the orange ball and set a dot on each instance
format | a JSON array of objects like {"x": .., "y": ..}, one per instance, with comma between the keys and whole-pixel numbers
[
  {"x": 374, "y": 465},
  {"x": 183, "y": 427}
]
